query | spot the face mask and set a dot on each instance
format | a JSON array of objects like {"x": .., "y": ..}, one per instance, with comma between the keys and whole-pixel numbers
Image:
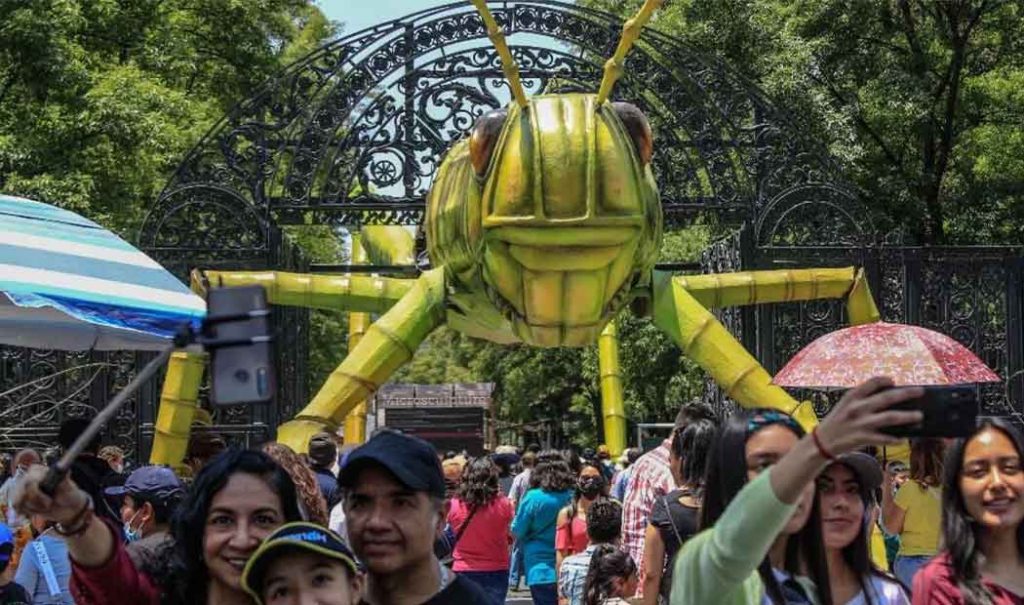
[
  {"x": 132, "y": 535},
  {"x": 590, "y": 487},
  {"x": 18, "y": 472}
]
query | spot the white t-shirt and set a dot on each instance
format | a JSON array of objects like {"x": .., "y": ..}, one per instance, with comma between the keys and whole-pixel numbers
[{"x": 883, "y": 592}]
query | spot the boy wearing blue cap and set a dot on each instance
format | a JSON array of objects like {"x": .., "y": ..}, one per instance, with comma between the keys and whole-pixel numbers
[
  {"x": 303, "y": 563},
  {"x": 10, "y": 592}
]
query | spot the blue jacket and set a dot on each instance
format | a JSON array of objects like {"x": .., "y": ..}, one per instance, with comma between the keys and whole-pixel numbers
[{"x": 534, "y": 528}]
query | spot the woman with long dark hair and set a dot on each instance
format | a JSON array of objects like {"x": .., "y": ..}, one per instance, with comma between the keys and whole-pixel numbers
[
  {"x": 238, "y": 499},
  {"x": 982, "y": 522},
  {"x": 571, "y": 527},
  {"x": 914, "y": 511},
  {"x": 846, "y": 498},
  {"x": 673, "y": 519},
  {"x": 611, "y": 577},
  {"x": 480, "y": 515},
  {"x": 534, "y": 525},
  {"x": 761, "y": 531}
]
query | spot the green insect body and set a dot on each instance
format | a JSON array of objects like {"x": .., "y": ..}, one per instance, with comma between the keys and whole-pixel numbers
[{"x": 559, "y": 231}]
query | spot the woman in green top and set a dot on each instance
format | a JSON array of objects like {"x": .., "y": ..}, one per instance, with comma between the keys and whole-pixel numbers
[{"x": 757, "y": 546}]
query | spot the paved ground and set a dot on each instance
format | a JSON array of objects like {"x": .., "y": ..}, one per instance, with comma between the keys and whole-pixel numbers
[{"x": 518, "y": 597}]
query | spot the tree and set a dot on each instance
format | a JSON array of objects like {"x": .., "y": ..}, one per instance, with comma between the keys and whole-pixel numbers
[{"x": 920, "y": 100}]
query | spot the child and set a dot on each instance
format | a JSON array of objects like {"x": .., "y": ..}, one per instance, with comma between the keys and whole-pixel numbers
[
  {"x": 301, "y": 561},
  {"x": 10, "y": 592},
  {"x": 612, "y": 577}
]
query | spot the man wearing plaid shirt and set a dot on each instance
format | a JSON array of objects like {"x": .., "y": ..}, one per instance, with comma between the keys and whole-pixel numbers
[
  {"x": 651, "y": 479},
  {"x": 604, "y": 525}
]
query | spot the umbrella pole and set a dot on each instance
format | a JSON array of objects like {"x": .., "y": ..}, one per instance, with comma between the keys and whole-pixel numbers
[{"x": 60, "y": 469}]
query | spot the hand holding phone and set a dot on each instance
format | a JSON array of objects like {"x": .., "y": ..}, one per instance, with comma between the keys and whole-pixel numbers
[{"x": 948, "y": 411}]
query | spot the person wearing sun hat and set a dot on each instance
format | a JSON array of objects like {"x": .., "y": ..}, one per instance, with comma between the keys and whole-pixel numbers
[{"x": 303, "y": 562}]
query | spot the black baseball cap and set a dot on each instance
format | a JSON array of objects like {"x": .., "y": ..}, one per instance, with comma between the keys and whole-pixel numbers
[
  {"x": 300, "y": 535},
  {"x": 156, "y": 484},
  {"x": 410, "y": 459}
]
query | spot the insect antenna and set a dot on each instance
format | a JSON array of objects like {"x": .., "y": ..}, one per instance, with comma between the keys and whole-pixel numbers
[
  {"x": 508, "y": 62},
  {"x": 630, "y": 33}
]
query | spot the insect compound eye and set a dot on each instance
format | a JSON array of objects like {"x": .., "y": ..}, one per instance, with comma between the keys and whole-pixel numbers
[
  {"x": 485, "y": 135},
  {"x": 639, "y": 129}
]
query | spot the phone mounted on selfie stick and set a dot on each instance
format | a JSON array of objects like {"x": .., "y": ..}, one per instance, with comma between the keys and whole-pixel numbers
[{"x": 236, "y": 334}]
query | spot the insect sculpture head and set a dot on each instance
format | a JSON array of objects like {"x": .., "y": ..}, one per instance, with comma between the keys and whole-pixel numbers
[{"x": 550, "y": 206}]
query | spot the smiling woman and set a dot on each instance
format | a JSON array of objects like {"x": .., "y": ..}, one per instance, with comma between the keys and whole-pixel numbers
[
  {"x": 982, "y": 522},
  {"x": 235, "y": 502}
]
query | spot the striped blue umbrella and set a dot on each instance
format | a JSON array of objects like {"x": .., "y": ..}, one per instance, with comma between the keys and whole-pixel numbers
[{"x": 66, "y": 283}]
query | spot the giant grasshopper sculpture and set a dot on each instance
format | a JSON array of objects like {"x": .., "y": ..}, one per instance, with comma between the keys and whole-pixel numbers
[{"x": 541, "y": 226}]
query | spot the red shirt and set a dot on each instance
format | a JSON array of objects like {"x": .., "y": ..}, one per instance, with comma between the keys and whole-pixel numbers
[
  {"x": 572, "y": 536},
  {"x": 484, "y": 544},
  {"x": 115, "y": 582},
  {"x": 935, "y": 585}
]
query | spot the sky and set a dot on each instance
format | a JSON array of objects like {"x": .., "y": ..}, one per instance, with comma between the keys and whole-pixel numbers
[{"x": 359, "y": 14}]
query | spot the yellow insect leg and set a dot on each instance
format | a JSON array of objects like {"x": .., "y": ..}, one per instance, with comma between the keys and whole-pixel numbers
[
  {"x": 679, "y": 310},
  {"x": 358, "y": 323},
  {"x": 363, "y": 293},
  {"x": 612, "y": 408},
  {"x": 754, "y": 287},
  {"x": 178, "y": 407},
  {"x": 388, "y": 343}
]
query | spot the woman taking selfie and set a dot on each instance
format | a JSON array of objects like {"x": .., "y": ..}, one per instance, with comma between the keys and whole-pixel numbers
[
  {"x": 845, "y": 496},
  {"x": 915, "y": 511},
  {"x": 673, "y": 519},
  {"x": 982, "y": 523},
  {"x": 761, "y": 541},
  {"x": 236, "y": 501}
]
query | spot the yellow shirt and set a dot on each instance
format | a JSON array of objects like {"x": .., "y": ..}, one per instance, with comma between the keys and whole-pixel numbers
[
  {"x": 921, "y": 526},
  {"x": 877, "y": 548}
]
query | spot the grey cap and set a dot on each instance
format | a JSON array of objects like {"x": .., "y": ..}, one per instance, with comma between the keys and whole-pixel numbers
[
  {"x": 867, "y": 469},
  {"x": 157, "y": 484}
]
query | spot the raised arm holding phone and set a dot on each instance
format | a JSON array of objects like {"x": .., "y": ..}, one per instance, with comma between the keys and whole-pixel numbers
[{"x": 760, "y": 533}]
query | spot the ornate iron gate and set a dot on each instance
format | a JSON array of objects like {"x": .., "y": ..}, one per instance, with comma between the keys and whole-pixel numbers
[{"x": 353, "y": 133}]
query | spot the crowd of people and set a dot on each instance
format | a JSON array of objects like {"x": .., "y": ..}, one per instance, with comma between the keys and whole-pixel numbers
[{"x": 750, "y": 509}]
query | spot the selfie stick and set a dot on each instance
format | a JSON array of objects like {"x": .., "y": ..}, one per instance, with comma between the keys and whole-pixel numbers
[
  {"x": 60, "y": 469},
  {"x": 185, "y": 336}
]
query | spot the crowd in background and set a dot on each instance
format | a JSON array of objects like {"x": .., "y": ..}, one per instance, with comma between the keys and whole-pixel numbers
[{"x": 747, "y": 510}]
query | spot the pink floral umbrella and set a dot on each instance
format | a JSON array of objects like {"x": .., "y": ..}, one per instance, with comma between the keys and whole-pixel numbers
[{"x": 910, "y": 355}]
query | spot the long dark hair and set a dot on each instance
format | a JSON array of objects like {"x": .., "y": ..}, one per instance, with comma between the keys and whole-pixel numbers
[
  {"x": 187, "y": 578},
  {"x": 606, "y": 564},
  {"x": 960, "y": 533},
  {"x": 691, "y": 445},
  {"x": 552, "y": 472},
  {"x": 727, "y": 475},
  {"x": 857, "y": 554},
  {"x": 479, "y": 486},
  {"x": 926, "y": 461}
]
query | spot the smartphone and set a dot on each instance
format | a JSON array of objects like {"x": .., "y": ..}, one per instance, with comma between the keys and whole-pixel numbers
[
  {"x": 237, "y": 336},
  {"x": 949, "y": 411}
]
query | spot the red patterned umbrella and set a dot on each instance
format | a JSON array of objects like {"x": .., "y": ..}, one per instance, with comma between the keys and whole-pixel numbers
[{"x": 910, "y": 355}]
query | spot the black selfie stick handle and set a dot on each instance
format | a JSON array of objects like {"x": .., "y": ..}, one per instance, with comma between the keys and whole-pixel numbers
[{"x": 59, "y": 470}]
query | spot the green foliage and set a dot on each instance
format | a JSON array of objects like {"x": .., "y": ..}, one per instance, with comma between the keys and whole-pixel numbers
[
  {"x": 100, "y": 100},
  {"x": 920, "y": 100}
]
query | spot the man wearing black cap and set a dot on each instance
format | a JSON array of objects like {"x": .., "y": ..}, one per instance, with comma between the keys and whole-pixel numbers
[
  {"x": 150, "y": 495},
  {"x": 394, "y": 506}
]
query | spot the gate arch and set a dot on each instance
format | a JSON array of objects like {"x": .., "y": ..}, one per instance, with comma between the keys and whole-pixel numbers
[{"x": 353, "y": 133}]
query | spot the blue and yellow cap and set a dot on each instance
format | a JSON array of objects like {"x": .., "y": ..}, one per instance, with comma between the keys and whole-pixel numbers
[{"x": 300, "y": 535}]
